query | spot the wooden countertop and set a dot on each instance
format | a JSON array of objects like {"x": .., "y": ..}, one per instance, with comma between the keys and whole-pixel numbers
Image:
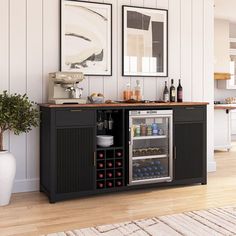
[
  {"x": 225, "y": 107},
  {"x": 125, "y": 105}
]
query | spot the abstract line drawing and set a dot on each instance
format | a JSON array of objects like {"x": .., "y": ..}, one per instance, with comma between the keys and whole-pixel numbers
[{"x": 86, "y": 37}]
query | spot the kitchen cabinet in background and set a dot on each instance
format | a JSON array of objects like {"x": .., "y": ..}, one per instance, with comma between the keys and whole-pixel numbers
[
  {"x": 233, "y": 125},
  {"x": 222, "y": 124},
  {"x": 230, "y": 83},
  {"x": 221, "y": 46}
]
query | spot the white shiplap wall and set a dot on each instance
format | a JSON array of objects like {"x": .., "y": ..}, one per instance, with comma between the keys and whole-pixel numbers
[{"x": 29, "y": 50}]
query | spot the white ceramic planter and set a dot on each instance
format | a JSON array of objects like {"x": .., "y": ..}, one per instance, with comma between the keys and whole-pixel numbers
[{"x": 7, "y": 176}]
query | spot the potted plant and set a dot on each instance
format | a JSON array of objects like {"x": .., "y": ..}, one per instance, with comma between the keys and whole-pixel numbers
[{"x": 18, "y": 115}]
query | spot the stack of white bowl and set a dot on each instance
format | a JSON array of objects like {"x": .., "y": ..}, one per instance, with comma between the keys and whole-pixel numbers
[{"x": 105, "y": 140}]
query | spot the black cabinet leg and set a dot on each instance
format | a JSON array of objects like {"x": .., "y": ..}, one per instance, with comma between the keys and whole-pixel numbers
[{"x": 52, "y": 201}]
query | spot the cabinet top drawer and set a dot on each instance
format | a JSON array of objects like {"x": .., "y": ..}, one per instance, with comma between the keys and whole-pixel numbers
[
  {"x": 75, "y": 117},
  {"x": 190, "y": 113}
]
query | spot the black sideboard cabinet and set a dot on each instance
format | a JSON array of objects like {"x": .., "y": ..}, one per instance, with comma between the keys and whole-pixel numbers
[{"x": 70, "y": 161}]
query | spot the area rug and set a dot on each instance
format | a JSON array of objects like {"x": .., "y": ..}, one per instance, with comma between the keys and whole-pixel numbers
[{"x": 213, "y": 222}]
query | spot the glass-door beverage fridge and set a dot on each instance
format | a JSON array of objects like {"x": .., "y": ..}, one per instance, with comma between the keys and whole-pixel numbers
[{"x": 150, "y": 146}]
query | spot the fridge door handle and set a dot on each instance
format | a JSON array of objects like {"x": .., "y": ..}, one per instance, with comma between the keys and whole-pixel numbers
[
  {"x": 175, "y": 152},
  {"x": 129, "y": 136},
  {"x": 94, "y": 159}
]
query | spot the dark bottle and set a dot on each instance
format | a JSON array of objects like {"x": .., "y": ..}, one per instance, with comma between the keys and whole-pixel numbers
[
  {"x": 109, "y": 184},
  {"x": 109, "y": 164},
  {"x": 118, "y": 183},
  {"x": 100, "y": 185},
  {"x": 118, "y": 163},
  {"x": 109, "y": 174},
  {"x": 100, "y": 165},
  {"x": 179, "y": 92},
  {"x": 100, "y": 155},
  {"x": 118, "y": 154},
  {"x": 118, "y": 174},
  {"x": 172, "y": 91},
  {"x": 166, "y": 93},
  {"x": 100, "y": 175}
]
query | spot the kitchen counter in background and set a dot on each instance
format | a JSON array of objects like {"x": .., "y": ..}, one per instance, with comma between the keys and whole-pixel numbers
[
  {"x": 225, "y": 107},
  {"x": 224, "y": 126}
]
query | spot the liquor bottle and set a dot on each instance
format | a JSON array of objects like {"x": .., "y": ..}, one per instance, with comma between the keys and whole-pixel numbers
[
  {"x": 127, "y": 94},
  {"x": 138, "y": 91},
  {"x": 179, "y": 92},
  {"x": 166, "y": 93},
  {"x": 172, "y": 91}
]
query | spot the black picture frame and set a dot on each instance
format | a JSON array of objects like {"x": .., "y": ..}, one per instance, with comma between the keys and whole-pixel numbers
[
  {"x": 165, "y": 42},
  {"x": 110, "y": 53}
]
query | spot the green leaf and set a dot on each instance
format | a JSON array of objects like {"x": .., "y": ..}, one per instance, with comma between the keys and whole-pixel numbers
[{"x": 17, "y": 113}]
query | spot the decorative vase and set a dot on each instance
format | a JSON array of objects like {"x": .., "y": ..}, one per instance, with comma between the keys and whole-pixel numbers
[{"x": 7, "y": 176}]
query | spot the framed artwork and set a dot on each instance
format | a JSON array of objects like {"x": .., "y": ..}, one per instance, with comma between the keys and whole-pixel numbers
[
  {"x": 145, "y": 42},
  {"x": 86, "y": 37}
]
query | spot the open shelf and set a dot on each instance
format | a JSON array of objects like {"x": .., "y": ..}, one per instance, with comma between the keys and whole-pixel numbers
[
  {"x": 116, "y": 128},
  {"x": 108, "y": 148}
]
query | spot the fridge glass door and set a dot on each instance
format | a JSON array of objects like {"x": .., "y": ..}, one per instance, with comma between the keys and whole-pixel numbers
[{"x": 150, "y": 148}]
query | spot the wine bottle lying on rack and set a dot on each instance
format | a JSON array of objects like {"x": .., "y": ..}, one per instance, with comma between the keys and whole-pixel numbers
[
  {"x": 100, "y": 155},
  {"x": 119, "y": 163},
  {"x": 109, "y": 174},
  {"x": 118, "y": 154},
  {"x": 100, "y": 165},
  {"x": 118, "y": 183},
  {"x": 109, "y": 184},
  {"x": 109, "y": 164},
  {"x": 100, "y": 185},
  {"x": 118, "y": 173}
]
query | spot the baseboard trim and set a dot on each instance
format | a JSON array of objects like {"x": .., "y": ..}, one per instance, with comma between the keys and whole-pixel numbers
[
  {"x": 211, "y": 166},
  {"x": 224, "y": 147},
  {"x": 32, "y": 185},
  {"x": 26, "y": 185}
]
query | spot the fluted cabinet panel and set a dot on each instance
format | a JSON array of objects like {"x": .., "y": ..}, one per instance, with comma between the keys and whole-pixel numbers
[{"x": 75, "y": 159}]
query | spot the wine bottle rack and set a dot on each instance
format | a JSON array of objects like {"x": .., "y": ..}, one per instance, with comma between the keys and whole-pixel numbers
[{"x": 110, "y": 168}]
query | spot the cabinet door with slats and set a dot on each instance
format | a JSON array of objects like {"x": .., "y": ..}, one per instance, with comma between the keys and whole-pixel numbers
[
  {"x": 190, "y": 151},
  {"x": 75, "y": 159}
]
